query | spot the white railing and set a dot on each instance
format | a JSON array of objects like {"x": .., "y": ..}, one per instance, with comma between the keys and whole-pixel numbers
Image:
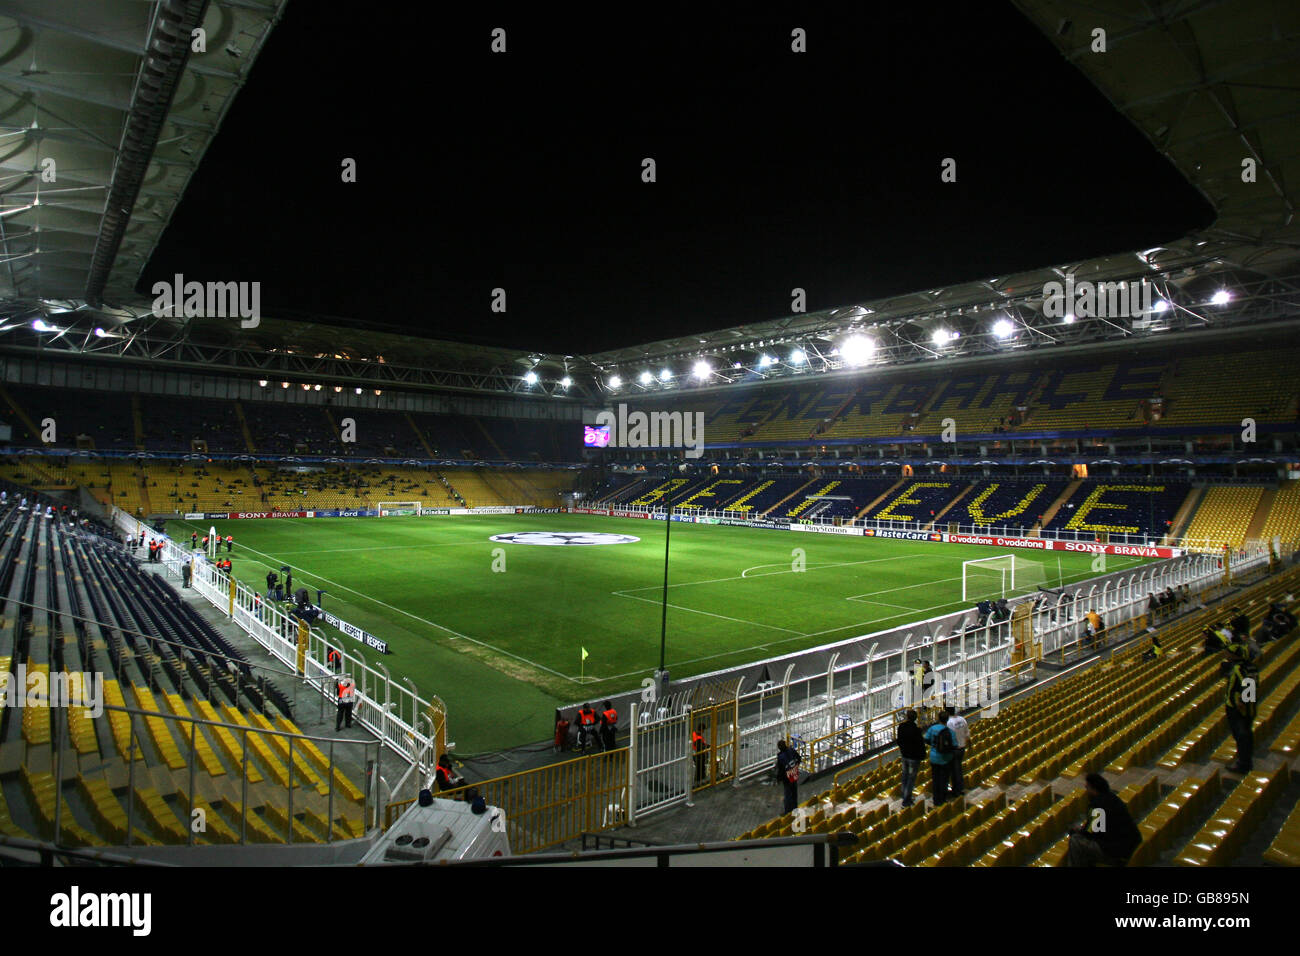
[
  {"x": 392, "y": 711},
  {"x": 854, "y": 703}
]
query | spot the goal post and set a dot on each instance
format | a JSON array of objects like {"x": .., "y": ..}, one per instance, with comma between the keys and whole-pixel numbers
[
  {"x": 1000, "y": 576},
  {"x": 393, "y": 509}
]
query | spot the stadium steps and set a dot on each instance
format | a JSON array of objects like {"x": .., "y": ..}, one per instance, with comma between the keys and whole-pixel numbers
[
  {"x": 424, "y": 442},
  {"x": 1183, "y": 516},
  {"x": 249, "y": 446},
  {"x": 814, "y": 498},
  {"x": 492, "y": 442},
  {"x": 137, "y": 421},
  {"x": 950, "y": 505},
  {"x": 1260, "y": 518},
  {"x": 19, "y": 411},
  {"x": 1284, "y": 517},
  {"x": 875, "y": 501},
  {"x": 739, "y": 503},
  {"x": 1060, "y": 502},
  {"x": 798, "y": 491}
]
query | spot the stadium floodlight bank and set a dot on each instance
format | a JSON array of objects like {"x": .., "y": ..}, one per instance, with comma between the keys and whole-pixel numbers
[
  {"x": 393, "y": 509},
  {"x": 1001, "y": 576}
]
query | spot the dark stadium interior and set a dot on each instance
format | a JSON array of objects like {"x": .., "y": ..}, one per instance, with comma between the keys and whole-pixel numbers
[{"x": 748, "y": 377}]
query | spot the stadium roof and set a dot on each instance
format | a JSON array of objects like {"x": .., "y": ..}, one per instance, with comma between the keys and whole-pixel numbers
[
  {"x": 108, "y": 109},
  {"x": 116, "y": 101},
  {"x": 1211, "y": 85}
]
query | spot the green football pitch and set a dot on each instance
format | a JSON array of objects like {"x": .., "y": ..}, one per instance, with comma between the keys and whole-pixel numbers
[{"x": 497, "y": 629}]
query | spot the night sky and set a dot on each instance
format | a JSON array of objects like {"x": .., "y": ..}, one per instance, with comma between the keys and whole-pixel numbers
[{"x": 775, "y": 170}]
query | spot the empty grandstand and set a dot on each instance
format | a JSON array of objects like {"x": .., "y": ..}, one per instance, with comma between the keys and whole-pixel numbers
[{"x": 388, "y": 589}]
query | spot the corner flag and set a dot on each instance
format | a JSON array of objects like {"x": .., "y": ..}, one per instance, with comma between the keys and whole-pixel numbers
[{"x": 585, "y": 655}]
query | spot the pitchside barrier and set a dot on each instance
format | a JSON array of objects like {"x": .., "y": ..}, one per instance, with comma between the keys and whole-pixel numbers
[
  {"x": 410, "y": 726},
  {"x": 837, "y": 703}
]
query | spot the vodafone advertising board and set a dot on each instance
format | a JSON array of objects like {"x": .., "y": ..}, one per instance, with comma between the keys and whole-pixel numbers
[
  {"x": 1032, "y": 544},
  {"x": 1086, "y": 547}
]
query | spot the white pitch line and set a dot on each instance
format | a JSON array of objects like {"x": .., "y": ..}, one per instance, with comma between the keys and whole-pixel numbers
[
  {"x": 416, "y": 617},
  {"x": 737, "y": 620},
  {"x": 744, "y": 577},
  {"x": 906, "y": 587},
  {"x": 396, "y": 547}
]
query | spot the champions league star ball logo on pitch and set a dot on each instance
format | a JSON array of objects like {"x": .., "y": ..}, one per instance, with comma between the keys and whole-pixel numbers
[{"x": 564, "y": 539}]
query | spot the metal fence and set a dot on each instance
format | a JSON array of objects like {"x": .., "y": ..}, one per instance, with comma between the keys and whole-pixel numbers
[
  {"x": 232, "y": 782},
  {"x": 551, "y": 805},
  {"x": 835, "y": 703},
  {"x": 412, "y": 727},
  {"x": 692, "y": 739}
]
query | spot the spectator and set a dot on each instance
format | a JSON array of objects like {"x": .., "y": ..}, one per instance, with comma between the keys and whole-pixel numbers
[
  {"x": 940, "y": 739},
  {"x": 1095, "y": 629},
  {"x": 985, "y": 608},
  {"x": 1109, "y": 837},
  {"x": 1155, "y": 651},
  {"x": 1153, "y": 607},
  {"x": 911, "y": 751},
  {"x": 1240, "y": 703},
  {"x": 787, "y": 771},
  {"x": 960, "y": 737},
  {"x": 1240, "y": 625}
]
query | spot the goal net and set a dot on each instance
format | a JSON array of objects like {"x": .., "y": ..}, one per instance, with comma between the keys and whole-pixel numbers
[
  {"x": 999, "y": 577},
  {"x": 392, "y": 509}
]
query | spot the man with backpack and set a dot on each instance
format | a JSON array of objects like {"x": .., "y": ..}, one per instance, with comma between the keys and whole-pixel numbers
[{"x": 942, "y": 745}]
